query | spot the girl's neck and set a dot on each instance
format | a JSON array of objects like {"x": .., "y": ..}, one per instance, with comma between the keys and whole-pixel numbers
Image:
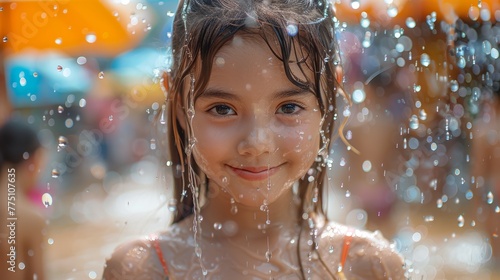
[{"x": 224, "y": 218}]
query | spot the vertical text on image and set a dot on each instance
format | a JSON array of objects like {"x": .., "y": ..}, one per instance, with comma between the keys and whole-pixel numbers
[{"x": 11, "y": 218}]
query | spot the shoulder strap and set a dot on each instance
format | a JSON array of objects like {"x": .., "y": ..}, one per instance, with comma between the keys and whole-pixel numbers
[
  {"x": 345, "y": 253},
  {"x": 155, "y": 241}
]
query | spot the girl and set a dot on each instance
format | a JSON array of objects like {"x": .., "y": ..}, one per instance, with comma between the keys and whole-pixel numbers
[{"x": 251, "y": 103}]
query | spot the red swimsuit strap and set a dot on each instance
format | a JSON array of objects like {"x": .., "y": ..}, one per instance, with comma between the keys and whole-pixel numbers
[
  {"x": 156, "y": 244},
  {"x": 345, "y": 247}
]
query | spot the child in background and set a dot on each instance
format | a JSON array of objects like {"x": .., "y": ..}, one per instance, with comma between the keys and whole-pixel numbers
[
  {"x": 21, "y": 158},
  {"x": 251, "y": 108}
]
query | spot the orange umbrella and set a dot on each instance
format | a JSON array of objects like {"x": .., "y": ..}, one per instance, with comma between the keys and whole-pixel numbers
[
  {"x": 75, "y": 27},
  {"x": 98, "y": 27}
]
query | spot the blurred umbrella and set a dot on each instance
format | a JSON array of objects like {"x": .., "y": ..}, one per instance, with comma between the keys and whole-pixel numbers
[
  {"x": 136, "y": 73},
  {"x": 97, "y": 27},
  {"x": 75, "y": 27},
  {"x": 38, "y": 80}
]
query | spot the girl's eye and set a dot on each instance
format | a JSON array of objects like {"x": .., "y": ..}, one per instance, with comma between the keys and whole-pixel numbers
[
  {"x": 289, "y": 108},
  {"x": 222, "y": 110}
]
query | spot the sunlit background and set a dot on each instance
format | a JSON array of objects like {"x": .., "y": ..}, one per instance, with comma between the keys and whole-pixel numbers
[{"x": 85, "y": 73}]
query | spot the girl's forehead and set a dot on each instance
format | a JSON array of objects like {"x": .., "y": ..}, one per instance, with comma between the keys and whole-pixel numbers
[
  {"x": 240, "y": 44},
  {"x": 245, "y": 45}
]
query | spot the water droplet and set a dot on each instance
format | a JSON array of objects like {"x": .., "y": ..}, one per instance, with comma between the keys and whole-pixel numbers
[
  {"x": 347, "y": 194},
  {"x": 497, "y": 209},
  {"x": 365, "y": 22},
  {"x": 101, "y": 75},
  {"x": 60, "y": 109},
  {"x": 429, "y": 218},
  {"x": 110, "y": 118},
  {"x": 392, "y": 10},
  {"x": 414, "y": 122},
  {"x": 489, "y": 198},
  {"x": 292, "y": 29},
  {"x": 439, "y": 203},
  {"x": 47, "y": 199},
  {"x": 58, "y": 41},
  {"x": 90, "y": 38},
  {"x": 461, "y": 62},
  {"x": 163, "y": 119},
  {"x": 410, "y": 22},
  {"x": 474, "y": 13},
  {"x": 197, "y": 251},
  {"x": 423, "y": 115},
  {"x": 268, "y": 255},
  {"x": 172, "y": 205},
  {"x": 5, "y": 39},
  {"x": 55, "y": 173},
  {"x": 59, "y": 68},
  {"x": 454, "y": 85},
  {"x": 330, "y": 249},
  {"x": 152, "y": 144},
  {"x": 62, "y": 142},
  {"x": 425, "y": 60},
  {"x": 461, "y": 221},
  {"x": 355, "y": 4},
  {"x": 217, "y": 226}
]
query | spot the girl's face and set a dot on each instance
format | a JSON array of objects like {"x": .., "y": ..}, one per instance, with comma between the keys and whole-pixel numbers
[{"x": 256, "y": 133}]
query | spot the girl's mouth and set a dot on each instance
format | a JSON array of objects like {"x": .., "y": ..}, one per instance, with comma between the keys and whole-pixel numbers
[{"x": 255, "y": 173}]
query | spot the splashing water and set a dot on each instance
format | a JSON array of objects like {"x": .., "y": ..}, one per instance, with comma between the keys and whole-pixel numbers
[{"x": 47, "y": 199}]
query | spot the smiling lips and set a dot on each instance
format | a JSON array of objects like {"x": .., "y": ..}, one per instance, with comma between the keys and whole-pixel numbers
[{"x": 255, "y": 173}]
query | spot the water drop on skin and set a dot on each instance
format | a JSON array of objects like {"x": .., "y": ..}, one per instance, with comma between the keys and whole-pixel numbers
[{"x": 172, "y": 205}]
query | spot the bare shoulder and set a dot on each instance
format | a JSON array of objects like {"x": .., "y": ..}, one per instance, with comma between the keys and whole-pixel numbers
[
  {"x": 136, "y": 259},
  {"x": 366, "y": 255}
]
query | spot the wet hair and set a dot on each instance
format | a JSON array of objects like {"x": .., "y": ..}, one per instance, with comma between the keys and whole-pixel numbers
[
  {"x": 303, "y": 29},
  {"x": 17, "y": 141}
]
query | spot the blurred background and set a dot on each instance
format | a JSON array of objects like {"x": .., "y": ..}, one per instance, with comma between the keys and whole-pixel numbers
[{"x": 423, "y": 77}]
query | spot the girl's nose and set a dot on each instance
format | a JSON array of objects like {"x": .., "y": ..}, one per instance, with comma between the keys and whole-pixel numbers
[{"x": 258, "y": 139}]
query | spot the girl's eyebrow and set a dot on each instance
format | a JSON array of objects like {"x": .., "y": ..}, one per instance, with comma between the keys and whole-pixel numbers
[
  {"x": 218, "y": 93},
  {"x": 283, "y": 94},
  {"x": 288, "y": 93}
]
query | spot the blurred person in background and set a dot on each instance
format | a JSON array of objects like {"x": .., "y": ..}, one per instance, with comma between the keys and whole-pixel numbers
[{"x": 21, "y": 235}]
